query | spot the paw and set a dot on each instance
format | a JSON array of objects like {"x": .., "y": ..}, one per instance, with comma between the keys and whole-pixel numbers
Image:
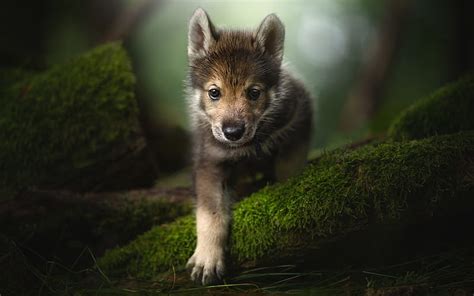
[{"x": 206, "y": 267}]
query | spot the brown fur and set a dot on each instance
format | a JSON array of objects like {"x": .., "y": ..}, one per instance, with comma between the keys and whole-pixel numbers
[{"x": 277, "y": 125}]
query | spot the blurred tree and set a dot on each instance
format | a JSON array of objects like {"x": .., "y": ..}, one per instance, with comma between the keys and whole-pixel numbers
[
  {"x": 419, "y": 45},
  {"x": 364, "y": 97},
  {"x": 463, "y": 32},
  {"x": 127, "y": 21}
]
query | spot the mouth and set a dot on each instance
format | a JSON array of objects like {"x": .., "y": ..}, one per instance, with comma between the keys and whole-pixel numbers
[
  {"x": 239, "y": 145},
  {"x": 236, "y": 144}
]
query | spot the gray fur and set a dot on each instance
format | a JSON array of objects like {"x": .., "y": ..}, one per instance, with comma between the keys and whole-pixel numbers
[{"x": 280, "y": 139}]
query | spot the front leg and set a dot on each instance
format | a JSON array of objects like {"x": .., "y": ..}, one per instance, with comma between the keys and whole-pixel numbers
[{"x": 213, "y": 216}]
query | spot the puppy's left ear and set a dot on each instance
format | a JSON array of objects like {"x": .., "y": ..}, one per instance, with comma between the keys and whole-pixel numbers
[{"x": 271, "y": 36}]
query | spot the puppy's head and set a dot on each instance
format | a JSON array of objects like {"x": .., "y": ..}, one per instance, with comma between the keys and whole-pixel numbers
[{"x": 233, "y": 74}]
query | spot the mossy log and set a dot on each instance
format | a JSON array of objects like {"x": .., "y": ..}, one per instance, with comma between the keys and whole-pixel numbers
[
  {"x": 63, "y": 227},
  {"x": 343, "y": 191},
  {"x": 98, "y": 220},
  {"x": 448, "y": 110},
  {"x": 75, "y": 125}
]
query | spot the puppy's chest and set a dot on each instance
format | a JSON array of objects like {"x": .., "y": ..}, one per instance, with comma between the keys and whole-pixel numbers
[{"x": 249, "y": 174}]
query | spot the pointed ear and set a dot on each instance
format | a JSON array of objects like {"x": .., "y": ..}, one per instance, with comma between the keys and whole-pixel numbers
[
  {"x": 271, "y": 36},
  {"x": 201, "y": 35}
]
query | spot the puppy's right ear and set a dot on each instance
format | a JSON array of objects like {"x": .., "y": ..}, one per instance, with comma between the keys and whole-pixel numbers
[{"x": 201, "y": 35}]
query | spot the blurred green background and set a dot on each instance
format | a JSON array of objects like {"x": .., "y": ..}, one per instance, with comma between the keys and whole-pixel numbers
[{"x": 382, "y": 55}]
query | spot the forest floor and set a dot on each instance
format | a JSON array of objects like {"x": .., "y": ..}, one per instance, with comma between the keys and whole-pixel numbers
[{"x": 55, "y": 252}]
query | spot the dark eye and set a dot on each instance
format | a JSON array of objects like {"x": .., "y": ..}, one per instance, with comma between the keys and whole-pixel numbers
[
  {"x": 253, "y": 93},
  {"x": 214, "y": 94}
]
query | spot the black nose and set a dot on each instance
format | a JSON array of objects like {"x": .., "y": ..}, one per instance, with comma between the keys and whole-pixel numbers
[{"x": 233, "y": 130}]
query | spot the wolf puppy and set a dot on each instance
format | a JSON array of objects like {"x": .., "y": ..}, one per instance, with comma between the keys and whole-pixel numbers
[{"x": 247, "y": 112}]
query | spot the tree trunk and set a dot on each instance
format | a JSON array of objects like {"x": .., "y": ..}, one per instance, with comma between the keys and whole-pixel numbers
[{"x": 364, "y": 99}]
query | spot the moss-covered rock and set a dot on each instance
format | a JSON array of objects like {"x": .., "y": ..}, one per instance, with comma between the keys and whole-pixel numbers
[
  {"x": 448, "y": 110},
  {"x": 341, "y": 192},
  {"x": 69, "y": 122}
]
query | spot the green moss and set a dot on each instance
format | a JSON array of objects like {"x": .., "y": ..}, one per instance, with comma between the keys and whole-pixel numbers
[
  {"x": 157, "y": 250},
  {"x": 65, "y": 118},
  {"x": 448, "y": 110},
  {"x": 128, "y": 218},
  {"x": 340, "y": 192}
]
